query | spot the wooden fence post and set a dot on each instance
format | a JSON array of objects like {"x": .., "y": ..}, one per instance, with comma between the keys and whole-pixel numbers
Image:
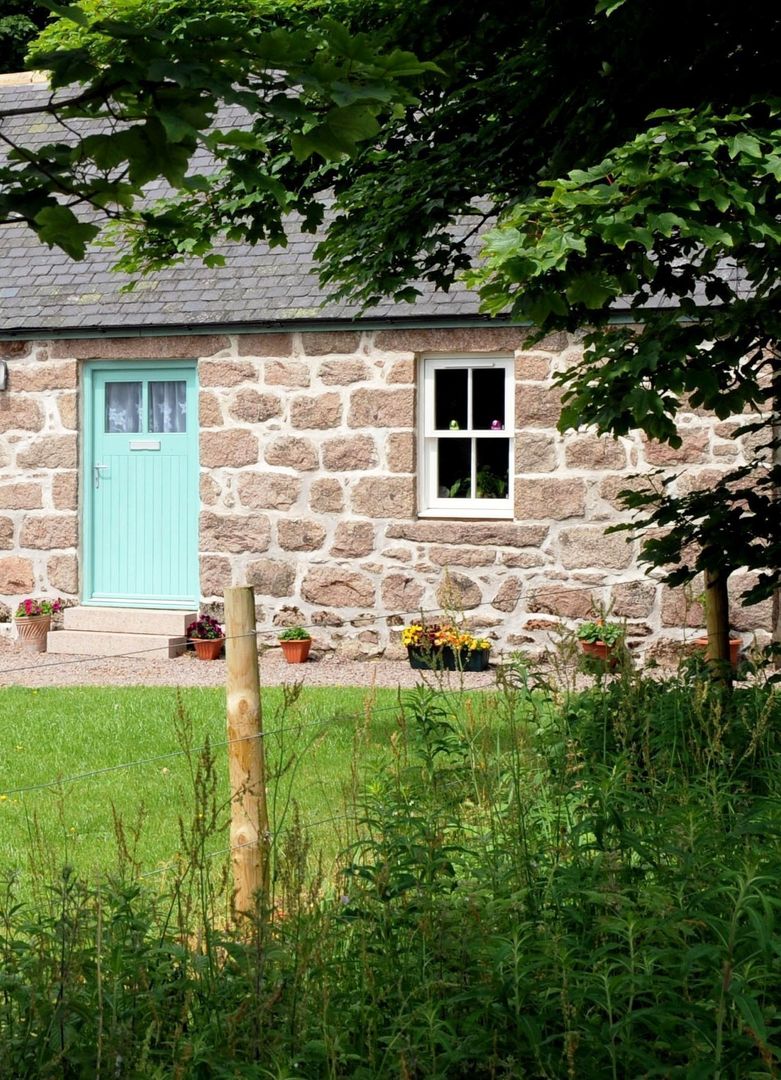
[{"x": 249, "y": 831}]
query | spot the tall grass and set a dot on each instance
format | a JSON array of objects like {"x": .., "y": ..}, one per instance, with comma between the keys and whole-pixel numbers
[{"x": 545, "y": 884}]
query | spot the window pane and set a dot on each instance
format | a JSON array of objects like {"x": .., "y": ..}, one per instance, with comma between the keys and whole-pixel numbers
[
  {"x": 168, "y": 406},
  {"x": 493, "y": 468},
  {"x": 450, "y": 398},
  {"x": 123, "y": 407},
  {"x": 455, "y": 468},
  {"x": 488, "y": 410}
]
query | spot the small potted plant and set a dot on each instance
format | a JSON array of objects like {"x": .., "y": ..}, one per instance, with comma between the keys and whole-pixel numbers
[
  {"x": 434, "y": 645},
  {"x": 296, "y": 643},
  {"x": 601, "y": 640},
  {"x": 735, "y": 645},
  {"x": 33, "y": 619},
  {"x": 207, "y": 637}
]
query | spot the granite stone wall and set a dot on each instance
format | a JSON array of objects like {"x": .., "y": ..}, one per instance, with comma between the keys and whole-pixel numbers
[{"x": 308, "y": 487}]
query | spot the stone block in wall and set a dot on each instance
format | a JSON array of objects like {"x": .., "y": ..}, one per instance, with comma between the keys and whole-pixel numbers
[
  {"x": 353, "y": 539},
  {"x": 298, "y": 535},
  {"x": 176, "y": 347},
  {"x": 596, "y": 452},
  {"x": 323, "y": 342},
  {"x": 343, "y": 372},
  {"x": 550, "y": 497},
  {"x": 326, "y": 496},
  {"x": 398, "y": 554},
  {"x": 510, "y": 592},
  {"x": 210, "y": 409},
  {"x": 232, "y": 448},
  {"x": 457, "y": 555},
  {"x": 49, "y": 532},
  {"x": 287, "y": 373},
  {"x": 349, "y": 453},
  {"x": 209, "y": 490},
  {"x": 401, "y": 371},
  {"x": 291, "y": 452},
  {"x": 271, "y": 344},
  {"x": 19, "y": 414},
  {"x": 610, "y": 486},
  {"x": 237, "y": 533},
  {"x": 537, "y": 406},
  {"x": 37, "y": 377},
  {"x": 382, "y": 408},
  {"x": 532, "y": 367},
  {"x": 49, "y": 452},
  {"x": 692, "y": 451},
  {"x": 457, "y": 592},
  {"x": 318, "y": 412},
  {"x": 68, "y": 409},
  {"x": 14, "y": 349},
  {"x": 535, "y": 451},
  {"x": 498, "y": 533},
  {"x": 222, "y": 373},
  {"x": 384, "y": 496},
  {"x": 453, "y": 340},
  {"x": 698, "y": 480},
  {"x": 268, "y": 491},
  {"x": 6, "y": 533},
  {"x": 584, "y": 546},
  {"x": 326, "y": 618},
  {"x": 63, "y": 573},
  {"x": 681, "y": 606},
  {"x": 632, "y": 599},
  {"x": 16, "y": 576},
  {"x": 21, "y": 496},
  {"x": 401, "y": 593},
  {"x": 215, "y": 575},
  {"x": 567, "y": 602},
  {"x": 65, "y": 490},
  {"x": 400, "y": 449},
  {"x": 748, "y": 618},
  {"x": 254, "y": 407},
  {"x": 521, "y": 560},
  {"x": 337, "y": 587},
  {"x": 271, "y": 577}
]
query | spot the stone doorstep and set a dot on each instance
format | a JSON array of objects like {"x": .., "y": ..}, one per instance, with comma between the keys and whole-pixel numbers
[
  {"x": 128, "y": 621},
  {"x": 108, "y": 643}
]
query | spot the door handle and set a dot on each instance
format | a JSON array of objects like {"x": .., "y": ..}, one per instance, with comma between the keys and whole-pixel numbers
[{"x": 98, "y": 469}]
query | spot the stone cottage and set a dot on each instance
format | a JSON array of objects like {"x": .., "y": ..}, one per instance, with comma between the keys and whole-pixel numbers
[{"x": 224, "y": 426}]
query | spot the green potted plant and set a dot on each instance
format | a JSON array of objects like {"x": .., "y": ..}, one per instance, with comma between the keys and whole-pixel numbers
[
  {"x": 296, "y": 643},
  {"x": 207, "y": 637},
  {"x": 601, "y": 640},
  {"x": 33, "y": 619}
]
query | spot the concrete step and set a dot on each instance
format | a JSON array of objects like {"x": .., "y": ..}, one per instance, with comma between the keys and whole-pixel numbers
[
  {"x": 106, "y": 643},
  {"x": 125, "y": 620}
]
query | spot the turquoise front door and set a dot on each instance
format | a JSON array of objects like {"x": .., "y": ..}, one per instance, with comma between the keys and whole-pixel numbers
[{"x": 141, "y": 485}]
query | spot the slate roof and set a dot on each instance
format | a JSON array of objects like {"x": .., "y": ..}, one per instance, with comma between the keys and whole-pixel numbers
[{"x": 42, "y": 289}]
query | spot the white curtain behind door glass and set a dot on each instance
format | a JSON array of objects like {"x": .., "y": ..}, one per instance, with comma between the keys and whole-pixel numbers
[
  {"x": 123, "y": 407},
  {"x": 168, "y": 406}
]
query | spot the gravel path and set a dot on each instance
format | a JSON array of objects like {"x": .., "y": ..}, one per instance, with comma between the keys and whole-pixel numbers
[{"x": 21, "y": 668}]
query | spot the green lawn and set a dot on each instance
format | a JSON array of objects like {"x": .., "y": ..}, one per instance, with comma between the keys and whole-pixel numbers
[{"x": 311, "y": 743}]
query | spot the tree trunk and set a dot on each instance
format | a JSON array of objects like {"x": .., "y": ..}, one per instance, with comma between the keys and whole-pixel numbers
[{"x": 717, "y": 620}]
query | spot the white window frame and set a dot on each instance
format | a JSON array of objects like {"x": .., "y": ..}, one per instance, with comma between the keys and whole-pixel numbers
[{"x": 430, "y": 441}]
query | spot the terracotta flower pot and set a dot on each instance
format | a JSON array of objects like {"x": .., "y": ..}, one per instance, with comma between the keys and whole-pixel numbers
[
  {"x": 600, "y": 650},
  {"x": 734, "y": 648},
  {"x": 208, "y": 648},
  {"x": 32, "y": 630},
  {"x": 296, "y": 650}
]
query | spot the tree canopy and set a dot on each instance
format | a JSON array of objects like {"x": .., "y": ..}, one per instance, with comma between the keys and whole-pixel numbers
[{"x": 627, "y": 154}]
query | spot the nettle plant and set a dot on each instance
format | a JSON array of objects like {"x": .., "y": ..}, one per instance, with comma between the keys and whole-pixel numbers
[{"x": 608, "y": 633}]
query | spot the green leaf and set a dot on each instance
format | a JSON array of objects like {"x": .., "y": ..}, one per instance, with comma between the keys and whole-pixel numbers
[{"x": 58, "y": 226}]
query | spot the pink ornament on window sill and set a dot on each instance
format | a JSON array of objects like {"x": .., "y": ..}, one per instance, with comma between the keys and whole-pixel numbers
[{"x": 497, "y": 425}]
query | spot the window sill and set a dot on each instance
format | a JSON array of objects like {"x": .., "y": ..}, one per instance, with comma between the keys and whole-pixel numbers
[{"x": 468, "y": 514}]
